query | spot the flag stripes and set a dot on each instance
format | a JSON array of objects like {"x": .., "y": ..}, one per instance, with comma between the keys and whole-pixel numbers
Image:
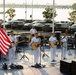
[{"x": 5, "y": 42}]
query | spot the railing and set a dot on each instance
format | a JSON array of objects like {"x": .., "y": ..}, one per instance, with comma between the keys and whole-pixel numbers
[{"x": 35, "y": 6}]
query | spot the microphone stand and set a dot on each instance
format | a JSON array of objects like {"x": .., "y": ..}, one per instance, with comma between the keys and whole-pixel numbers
[
  {"x": 41, "y": 50},
  {"x": 41, "y": 65},
  {"x": 23, "y": 56},
  {"x": 44, "y": 53}
]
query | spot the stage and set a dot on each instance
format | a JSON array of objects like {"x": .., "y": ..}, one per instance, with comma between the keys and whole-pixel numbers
[{"x": 49, "y": 69}]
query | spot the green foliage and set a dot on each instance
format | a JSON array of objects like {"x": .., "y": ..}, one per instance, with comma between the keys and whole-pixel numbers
[
  {"x": 11, "y": 12},
  {"x": 48, "y": 13},
  {"x": 72, "y": 16},
  {"x": 74, "y": 6}
]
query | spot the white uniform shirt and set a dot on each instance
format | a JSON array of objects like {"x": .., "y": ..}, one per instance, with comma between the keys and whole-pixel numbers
[
  {"x": 33, "y": 31},
  {"x": 34, "y": 39},
  {"x": 51, "y": 39},
  {"x": 64, "y": 41},
  {"x": 13, "y": 38}
]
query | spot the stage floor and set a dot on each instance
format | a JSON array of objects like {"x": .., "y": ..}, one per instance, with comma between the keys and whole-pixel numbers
[{"x": 49, "y": 69}]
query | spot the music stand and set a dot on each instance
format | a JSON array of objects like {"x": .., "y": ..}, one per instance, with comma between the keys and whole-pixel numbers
[{"x": 23, "y": 56}]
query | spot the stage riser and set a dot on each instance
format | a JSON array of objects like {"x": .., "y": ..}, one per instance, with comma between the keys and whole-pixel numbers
[
  {"x": 73, "y": 68},
  {"x": 65, "y": 67},
  {"x": 68, "y": 68}
]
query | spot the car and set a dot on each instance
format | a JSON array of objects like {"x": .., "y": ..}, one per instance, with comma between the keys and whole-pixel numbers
[
  {"x": 47, "y": 21},
  {"x": 7, "y": 24},
  {"x": 17, "y": 24},
  {"x": 72, "y": 28},
  {"x": 27, "y": 26},
  {"x": 38, "y": 26},
  {"x": 36, "y": 21},
  {"x": 46, "y": 28}
]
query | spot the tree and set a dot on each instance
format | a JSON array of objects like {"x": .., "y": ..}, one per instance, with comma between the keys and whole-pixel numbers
[
  {"x": 74, "y": 6},
  {"x": 11, "y": 13},
  {"x": 48, "y": 13},
  {"x": 72, "y": 16}
]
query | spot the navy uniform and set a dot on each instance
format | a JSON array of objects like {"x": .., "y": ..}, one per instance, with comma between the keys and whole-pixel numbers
[
  {"x": 13, "y": 48},
  {"x": 53, "y": 50},
  {"x": 32, "y": 32},
  {"x": 37, "y": 51},
  {"x": 64, "y": 46}
]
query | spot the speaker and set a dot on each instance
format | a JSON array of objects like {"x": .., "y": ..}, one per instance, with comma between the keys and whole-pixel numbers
[
  {"x": 57, "y": 34},
  {"x": 65, "y": 67},
  {"x": 73, "y": 68}
]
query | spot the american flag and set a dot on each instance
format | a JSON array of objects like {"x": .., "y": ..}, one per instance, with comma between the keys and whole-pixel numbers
[{"x": 5, "y": 42}]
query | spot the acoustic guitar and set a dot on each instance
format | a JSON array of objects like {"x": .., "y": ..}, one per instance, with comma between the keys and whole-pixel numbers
[
  {"x": 14, "y": 44},
  {"x": 64, "y": 44},
  {"x": 35, "y": 45},
  {"x": 20, "y": 42},
  {"x": 53, "y": 44}
]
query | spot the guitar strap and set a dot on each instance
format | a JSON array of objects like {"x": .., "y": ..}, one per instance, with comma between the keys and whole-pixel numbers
[
  {"x": 64, "y": 43},
  {"x": 13, "y": 40}
]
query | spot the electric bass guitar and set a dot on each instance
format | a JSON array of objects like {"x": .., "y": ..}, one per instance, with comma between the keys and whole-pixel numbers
[{"x": 35, "y": 45}]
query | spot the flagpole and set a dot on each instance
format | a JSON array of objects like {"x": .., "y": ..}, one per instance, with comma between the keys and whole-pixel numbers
[
  {"x": 53, "y": 15},
  {"x": 25, "y": 9},
  {"x": 4, "y": 13},
  {"x": 32, "y": 9}
]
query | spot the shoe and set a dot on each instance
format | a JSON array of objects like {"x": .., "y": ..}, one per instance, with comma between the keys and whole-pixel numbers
[
  {"x": 64, "y": 58},
  {"x": 12, "y": 66},
  {"x": 37, "y": 66},
  {"x": 53, "y": 61},
  {"x": 32, "y": 65},
  {"x": 4, "y": 66}
]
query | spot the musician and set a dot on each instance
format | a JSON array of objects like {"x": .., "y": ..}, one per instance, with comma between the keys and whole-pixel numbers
[
  {"x": 36, "y": 39},
  {"x": 53, "y": 49},
  {"x": 32, "y": 31},
  {"x": 63, "y": 44},
  {"x": 12, "y": 49}
]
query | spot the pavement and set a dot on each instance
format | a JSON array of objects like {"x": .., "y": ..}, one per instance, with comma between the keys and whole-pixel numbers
[{"x": 49, "y": 69}]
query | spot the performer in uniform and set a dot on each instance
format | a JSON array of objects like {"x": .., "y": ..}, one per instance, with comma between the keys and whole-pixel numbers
[
  {"x": 12, "y": 49},
  {"x": 32, "y": 32},
  {"x": 63, "y": 43},
  {"x": 36, "y": 51},
  {"x": 52, "y": 39}
]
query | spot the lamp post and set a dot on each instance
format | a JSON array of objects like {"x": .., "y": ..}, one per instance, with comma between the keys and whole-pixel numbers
[
  {"x": 4, "y": 13},
  {"x": 53, "y": 15},
  {"x": 25, "y": 9},
  {"x": 32, "y": 10}
]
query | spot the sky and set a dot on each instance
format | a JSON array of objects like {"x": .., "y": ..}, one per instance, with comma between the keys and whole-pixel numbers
[
  {"x": 61, "y": 16},
  {"x": 58, "y": 2}
]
